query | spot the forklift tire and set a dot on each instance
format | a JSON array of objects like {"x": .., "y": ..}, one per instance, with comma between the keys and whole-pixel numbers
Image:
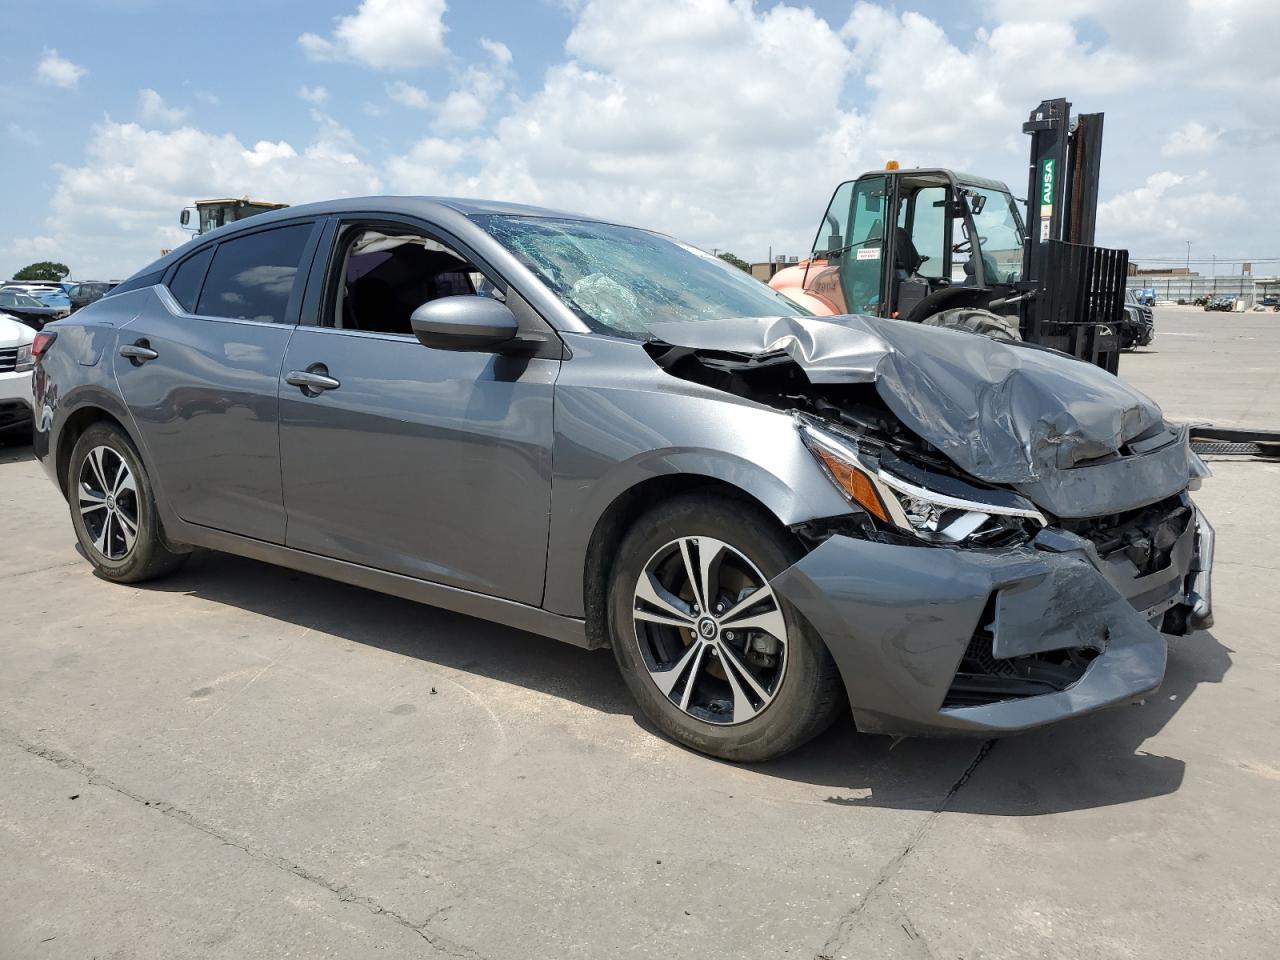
[{"x": 976, "y": 321}]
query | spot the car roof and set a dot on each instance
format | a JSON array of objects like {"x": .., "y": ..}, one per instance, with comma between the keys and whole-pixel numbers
[{"x": 433, "y": 208}]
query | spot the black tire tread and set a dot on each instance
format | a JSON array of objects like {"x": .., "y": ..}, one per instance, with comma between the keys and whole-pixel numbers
[{"x": 973, "y": 320}]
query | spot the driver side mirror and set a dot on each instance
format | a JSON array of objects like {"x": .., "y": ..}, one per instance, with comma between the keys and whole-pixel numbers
[
  {"x": 185, "y": 217},
  {"x": 465, "y": 322}
]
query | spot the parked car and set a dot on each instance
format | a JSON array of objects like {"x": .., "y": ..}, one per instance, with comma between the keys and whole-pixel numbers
[
  {"x": 15, "y": 379},
  {"x": 30, "y": 310},
  {"x": 83, "y": 294},
  {"x": 596, "y": 433},
  {"x": 1139, "y": 327},
  {"x": 49, "y": 294}
]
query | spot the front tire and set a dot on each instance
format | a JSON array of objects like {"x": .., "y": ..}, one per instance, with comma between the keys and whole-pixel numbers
[
  {"x": 714, "y": 657},
  {"x": 113, "y": 508},
  {"x": 973, "y": 320}
]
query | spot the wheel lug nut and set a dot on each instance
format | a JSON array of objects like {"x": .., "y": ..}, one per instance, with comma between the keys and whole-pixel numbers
[{"x": 728, "y": 635}]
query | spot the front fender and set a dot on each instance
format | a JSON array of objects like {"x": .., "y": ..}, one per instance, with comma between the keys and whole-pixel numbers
[{"x": 621, "y": 421}]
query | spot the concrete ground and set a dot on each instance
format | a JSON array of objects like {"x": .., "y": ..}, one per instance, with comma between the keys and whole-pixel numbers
[{"x": 246, "y": 762}]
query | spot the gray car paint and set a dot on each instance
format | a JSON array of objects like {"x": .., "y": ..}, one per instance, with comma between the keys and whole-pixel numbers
[
  {"x": 431, "y": 463},
  {"x": 206, "y": 410},
  {"x": 895, "y": 617}
]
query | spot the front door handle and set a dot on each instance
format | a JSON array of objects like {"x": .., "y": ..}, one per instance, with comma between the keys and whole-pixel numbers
[
  {"x": 312, "y": 381},
  {"x": 138, "y": 353}
]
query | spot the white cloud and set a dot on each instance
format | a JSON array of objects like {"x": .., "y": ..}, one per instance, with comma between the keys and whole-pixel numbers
[
  {"x": 1190, "y": 139},
  {"x": 729, "y": 122},
  {"x": 479, "y": 87},
  {"x": 385, "y": 34},
  {"x": 58, "y": 71},
  {"x": 153, "y": 110},
  {"x": 1167, "y": 210},
  {"x": 113, "y": 213},
  {"x": 316, "y": 95},
  {"x": 407, "y": 95},
  {"x": 206, "y": 96}
]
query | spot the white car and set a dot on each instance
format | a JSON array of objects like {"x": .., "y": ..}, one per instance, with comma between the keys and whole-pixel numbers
[{"x": 15, "y": 378}]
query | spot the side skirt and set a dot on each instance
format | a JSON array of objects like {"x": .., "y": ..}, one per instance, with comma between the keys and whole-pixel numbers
[{"x": 506, "y": 612}]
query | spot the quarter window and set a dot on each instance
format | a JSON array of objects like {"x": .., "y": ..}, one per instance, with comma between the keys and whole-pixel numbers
[
  {"x": 252, "y": 278},
  {"x": 185, "y": 285}
]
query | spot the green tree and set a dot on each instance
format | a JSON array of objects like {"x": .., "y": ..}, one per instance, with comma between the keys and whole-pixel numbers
[
  {"x": 738, "y": 262},
  {"x": 44, "y": 270}
]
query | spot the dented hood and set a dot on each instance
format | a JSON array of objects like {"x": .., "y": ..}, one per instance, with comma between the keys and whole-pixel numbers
[{"x": 1004, "y": 413}]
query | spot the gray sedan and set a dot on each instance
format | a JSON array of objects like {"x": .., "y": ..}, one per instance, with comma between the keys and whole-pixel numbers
[{"x": 597, "y": 433}]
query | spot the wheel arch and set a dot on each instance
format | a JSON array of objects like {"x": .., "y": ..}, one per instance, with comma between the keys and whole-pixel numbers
[
  {"x": 950, "y": 298},
  {"x": 76, "y": 423},
  {"x": 621, "y": 514}
]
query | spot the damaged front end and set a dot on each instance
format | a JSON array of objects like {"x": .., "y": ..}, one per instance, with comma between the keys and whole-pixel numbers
[{"x": 1020, "y": 529}]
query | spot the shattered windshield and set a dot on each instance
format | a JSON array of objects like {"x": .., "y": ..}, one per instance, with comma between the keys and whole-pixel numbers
[{"x": 620, "y": 279}]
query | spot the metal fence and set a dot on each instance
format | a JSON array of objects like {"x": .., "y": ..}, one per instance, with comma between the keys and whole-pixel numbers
[{"x": 1249, "y": 289}]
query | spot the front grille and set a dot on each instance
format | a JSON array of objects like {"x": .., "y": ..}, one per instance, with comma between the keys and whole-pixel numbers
[
  {"x": 984, "y": 678},
  {"x": 8, "y": 359}
]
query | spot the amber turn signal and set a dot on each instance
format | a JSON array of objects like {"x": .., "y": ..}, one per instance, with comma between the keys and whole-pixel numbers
[{"x": 855, "y": 483}]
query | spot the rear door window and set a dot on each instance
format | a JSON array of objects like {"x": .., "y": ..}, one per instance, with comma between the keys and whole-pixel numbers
[
  {"x": 253, "y": 277},
  {"x": 185, "y": 285}
]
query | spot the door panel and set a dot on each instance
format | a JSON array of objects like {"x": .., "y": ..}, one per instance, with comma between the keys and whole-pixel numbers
[
  {"x": 206, "y": 408},
  {"x": 430, "y": 463}
]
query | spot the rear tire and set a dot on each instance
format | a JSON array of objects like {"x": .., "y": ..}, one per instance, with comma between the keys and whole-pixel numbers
[
  {"x": 114, "y": 510},
  {"x": 973, "y": 320},
  {"x": 734, "y": 693}
]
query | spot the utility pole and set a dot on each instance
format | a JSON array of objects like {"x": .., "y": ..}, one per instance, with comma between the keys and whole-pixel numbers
[{"x": 1188, "y": 258}]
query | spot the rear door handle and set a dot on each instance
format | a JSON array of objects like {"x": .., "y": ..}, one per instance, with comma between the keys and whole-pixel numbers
[
  {"x": 138, "y": 353},
  {"x": 313, "y": 381}
]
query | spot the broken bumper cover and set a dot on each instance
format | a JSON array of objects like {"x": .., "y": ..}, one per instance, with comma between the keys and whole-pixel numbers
[{"x": 899, "y": 621}]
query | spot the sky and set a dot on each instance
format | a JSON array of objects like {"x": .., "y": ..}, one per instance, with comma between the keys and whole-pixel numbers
[{"x": 726, "y": 123}]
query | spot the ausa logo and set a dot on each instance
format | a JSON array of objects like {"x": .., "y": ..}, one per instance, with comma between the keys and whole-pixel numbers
[{"x": 1047, "y": 169}]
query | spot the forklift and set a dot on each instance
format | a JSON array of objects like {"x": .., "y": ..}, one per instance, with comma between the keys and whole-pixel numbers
[
  {"x": 953, "y": 250},
  {"x": 211, "y": 214}
]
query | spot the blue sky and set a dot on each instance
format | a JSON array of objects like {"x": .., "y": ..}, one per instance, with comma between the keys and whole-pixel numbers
[{"x": 723, "y": 121}]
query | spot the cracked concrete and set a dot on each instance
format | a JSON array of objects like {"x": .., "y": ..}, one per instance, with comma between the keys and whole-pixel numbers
[
  {"x": 848, "y": 926},
  {"x": 264, "y": 764},
  {"x": 344, "y": 894}
]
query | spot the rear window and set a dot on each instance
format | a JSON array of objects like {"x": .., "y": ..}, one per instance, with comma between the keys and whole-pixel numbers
[
  {"x": 185, "y": 285},
  {"x": 252, "y": 278}
]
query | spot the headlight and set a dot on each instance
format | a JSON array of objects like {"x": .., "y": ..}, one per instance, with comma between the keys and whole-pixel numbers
[
  {"x": 25, "y": 358},
  {"x": 925, "y": 514}
]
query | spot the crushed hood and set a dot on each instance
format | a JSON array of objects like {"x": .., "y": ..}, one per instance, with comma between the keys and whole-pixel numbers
[{"x": 1003, "y": 413}]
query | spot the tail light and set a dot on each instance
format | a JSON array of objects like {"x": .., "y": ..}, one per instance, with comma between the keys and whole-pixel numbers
[{"x": 41, "y": 344}]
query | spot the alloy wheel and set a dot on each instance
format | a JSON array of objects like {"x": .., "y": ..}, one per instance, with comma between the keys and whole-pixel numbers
[
  {"x": 107, "y": 495},
  {"x": 710, "y": 630}
]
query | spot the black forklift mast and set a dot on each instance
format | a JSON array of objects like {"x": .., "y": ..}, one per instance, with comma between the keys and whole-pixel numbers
[{"x": 1077, "y": 289}]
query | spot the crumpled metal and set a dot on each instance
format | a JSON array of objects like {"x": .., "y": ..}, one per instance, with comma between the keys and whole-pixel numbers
[{"x": 1005, "y": 413}]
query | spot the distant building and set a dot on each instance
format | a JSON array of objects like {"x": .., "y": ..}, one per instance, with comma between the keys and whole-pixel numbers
[
  {"x": 764, "y": 271},
  {"x": 1137, "y": 271}
]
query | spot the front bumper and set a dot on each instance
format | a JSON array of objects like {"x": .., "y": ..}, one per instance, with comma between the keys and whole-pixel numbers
[
  {"x": 899, "y": 620},
  {"x": 15, "y": 398}
]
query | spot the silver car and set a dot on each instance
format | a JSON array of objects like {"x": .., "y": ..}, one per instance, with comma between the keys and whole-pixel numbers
[{"x": 597, "y": 433}]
